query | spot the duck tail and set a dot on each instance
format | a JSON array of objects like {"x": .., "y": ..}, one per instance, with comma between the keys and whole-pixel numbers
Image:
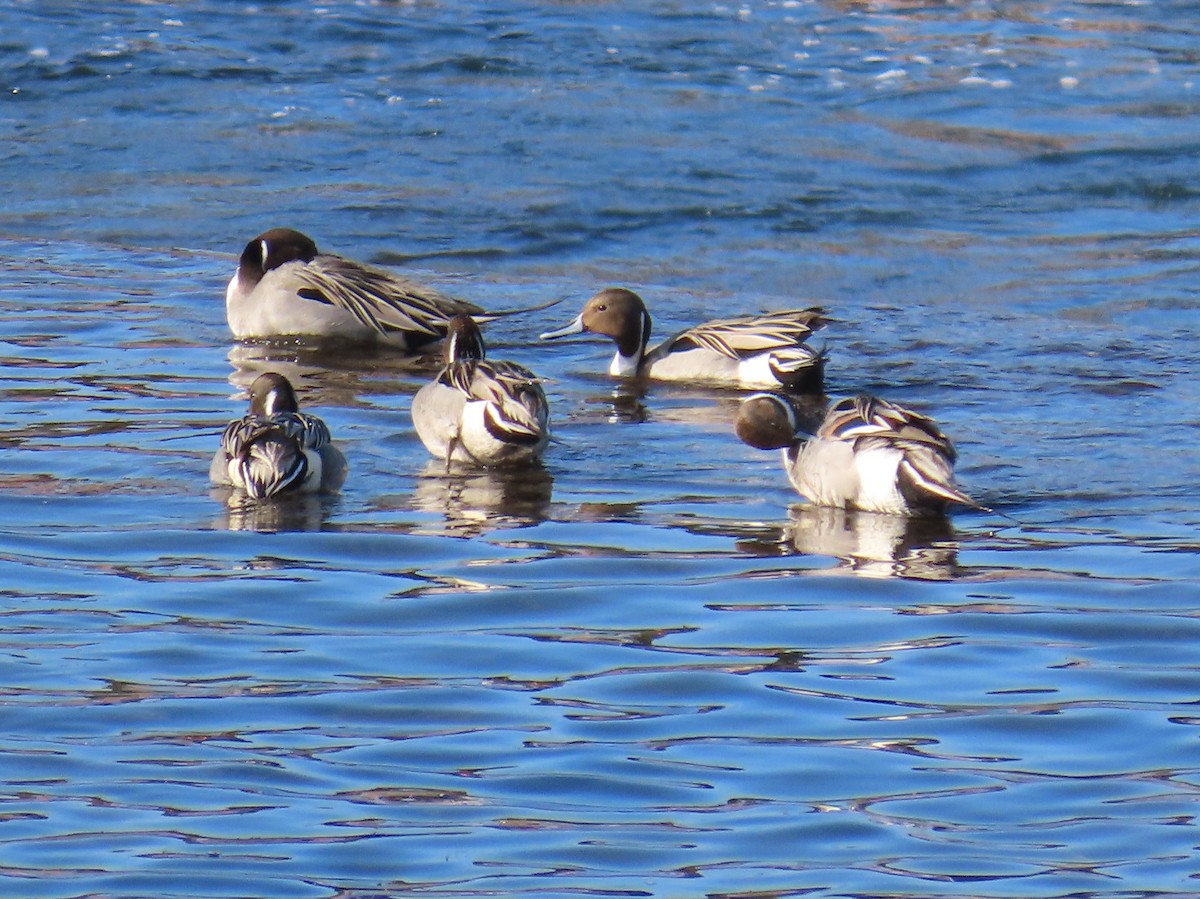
[{"x": 491, "y": 316}]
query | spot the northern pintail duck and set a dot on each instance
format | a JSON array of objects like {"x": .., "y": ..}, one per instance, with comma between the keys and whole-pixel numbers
[
  {"x": 752, "y": 351},
  {"x": 479, "y": 411},
  {"x": 285, "y": 287},
  {"x": 866, "y": 454},
  {"x": 276, "y": 449}
]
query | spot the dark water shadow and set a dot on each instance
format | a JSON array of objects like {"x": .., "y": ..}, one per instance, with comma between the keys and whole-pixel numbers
[
  {"x": 327, "y": 368},
  {"x": 622, "y": 402}
]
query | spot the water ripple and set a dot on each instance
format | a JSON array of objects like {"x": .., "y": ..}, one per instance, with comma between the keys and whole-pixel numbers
[{"x": 645, "y": 668}]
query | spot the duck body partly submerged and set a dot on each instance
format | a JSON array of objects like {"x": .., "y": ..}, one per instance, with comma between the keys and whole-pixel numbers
[
  {"x": 866, "y": 454},
  {"x": 275, "y": 449},
  {"x": 285, "y": 287},
  {"x": 479, "y": 411},
  {"x": 757, "y": 351}
]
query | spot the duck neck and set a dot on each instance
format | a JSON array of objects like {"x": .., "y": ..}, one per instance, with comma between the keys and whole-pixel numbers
[
  {"x": 625, "y": 366},
  {"x": 631, "y": 348}
]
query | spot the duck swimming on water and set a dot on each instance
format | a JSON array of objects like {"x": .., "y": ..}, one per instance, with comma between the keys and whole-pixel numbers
[
  {"x": 285, "y": 287},
  {"x": 481, "y": 411},
  {"x": 276, "y": 449},
  {"x": 867, "y": 454},
  {"x": 766, "y": 350}
]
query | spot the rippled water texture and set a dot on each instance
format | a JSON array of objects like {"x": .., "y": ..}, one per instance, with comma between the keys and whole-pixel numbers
[{"x": 645, "y": 669}]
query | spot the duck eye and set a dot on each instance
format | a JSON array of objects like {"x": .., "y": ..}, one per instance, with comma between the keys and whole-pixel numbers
[{"x": 602, "y": 308}]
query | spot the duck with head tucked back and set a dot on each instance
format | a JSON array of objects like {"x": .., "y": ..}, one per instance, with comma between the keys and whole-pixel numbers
[
  {"x": 275, "y": 449},
  {"x": 866, "y": 454},
  {"x": 481, "y": 411},
  {"x": 767, "y": 350},
  {"x": 285, "y": 287}
]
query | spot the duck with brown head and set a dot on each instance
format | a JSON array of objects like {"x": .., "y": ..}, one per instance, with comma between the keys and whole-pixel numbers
[
  {"x": 866, "y": 454},
  {"x": 767, "y": 350}
]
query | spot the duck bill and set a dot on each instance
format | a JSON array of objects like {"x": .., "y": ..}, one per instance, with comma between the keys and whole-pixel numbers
[{"x": 575, "y": 327}]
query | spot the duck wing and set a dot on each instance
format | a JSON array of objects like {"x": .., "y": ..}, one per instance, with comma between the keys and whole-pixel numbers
[
  {"x": 385, "y": 302},
  {"x": 868, "y": 416},
  {"x": 516, "y": 411},
  {"x": 737, "y": 338},
  {"x": 927, "y": 455}
]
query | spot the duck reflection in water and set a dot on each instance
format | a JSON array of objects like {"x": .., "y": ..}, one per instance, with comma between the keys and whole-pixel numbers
[
  {"x": 302, "y": 512},
  {"x": 475, "y": 501},
  {"x": 687, "y": 404},
  {"x": 876, "y": 545},
  {"x": 624, "y": 404}
]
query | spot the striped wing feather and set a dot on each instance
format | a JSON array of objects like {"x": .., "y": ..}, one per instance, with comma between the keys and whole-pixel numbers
[
  {"x": 867, "y": 416},
  {"x": 311, "y": 432},
  {"x": 517, "y": 407},
  {"x": 238, "y": 434},
  {"x": 273, "y": 463},
  {"x": 930, "y": 472},
  {"x": 737, "y": 338},
  {"x": 379, "y": 299},
  {"x": 269, "y": 450},
  {"x": 928, "y": 455}
]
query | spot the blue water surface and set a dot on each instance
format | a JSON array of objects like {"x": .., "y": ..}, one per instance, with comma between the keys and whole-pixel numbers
[{"x": 645, "y": 668}]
